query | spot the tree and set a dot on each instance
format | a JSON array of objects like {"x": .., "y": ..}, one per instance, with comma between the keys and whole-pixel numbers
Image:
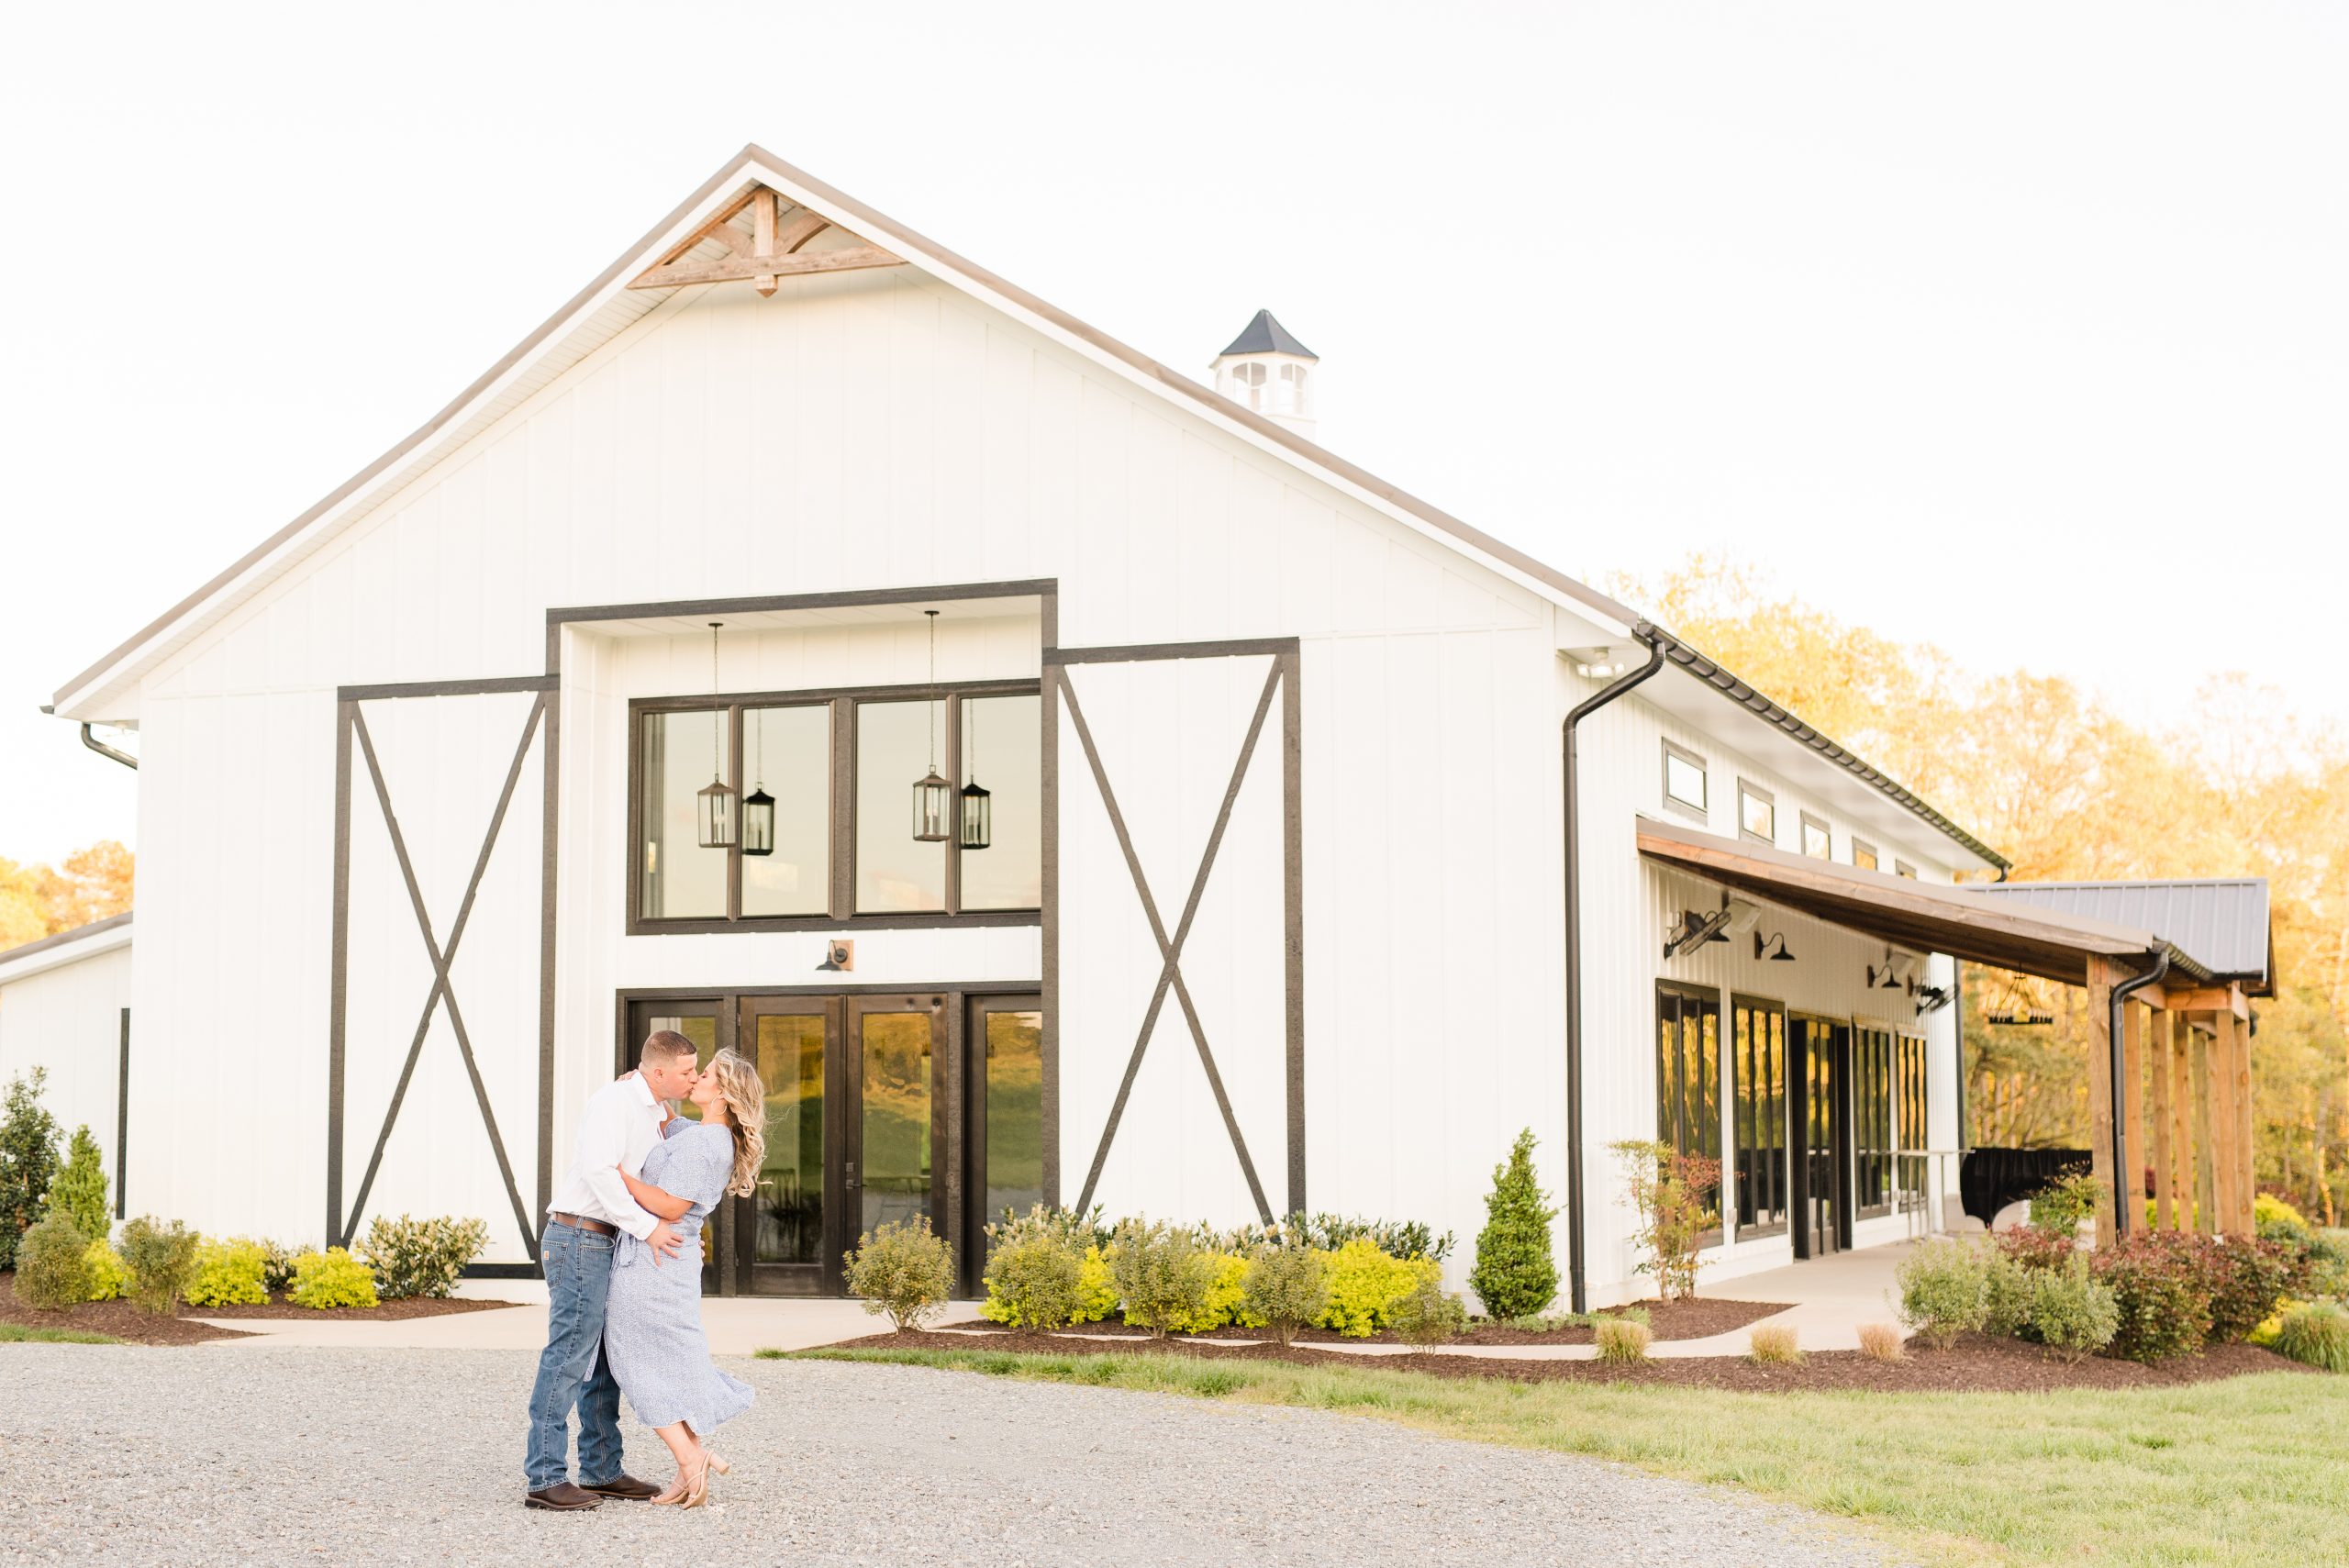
[
  {"x": 1515, "y": 1275},
  {"x": 78, "y": 1190},
  {"x": 27, "y": 1160},
  {"x": 37, "y": 901}
]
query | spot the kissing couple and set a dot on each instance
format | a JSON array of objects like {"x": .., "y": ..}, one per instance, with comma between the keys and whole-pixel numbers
[{"x": 622, "y": 1257}]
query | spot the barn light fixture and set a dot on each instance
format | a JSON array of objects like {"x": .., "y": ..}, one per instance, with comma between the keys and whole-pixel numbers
[
  {"x": 978, "y": 807},
  {"x": 758, "y": 807},
  {"x": 933, "y": 796},
  {"x": 1762, "y": 946},
  {"x": 717, "y": 800},
  {"x": 1599, "y": 664},
  {"x": 1932, "y": 999},
  {"x": 1694, "y": 930}
]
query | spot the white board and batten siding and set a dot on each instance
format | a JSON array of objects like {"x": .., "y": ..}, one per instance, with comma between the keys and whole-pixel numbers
[
  {"x": 859, "y": 430},
  {"x": 61, "y": 1009}
]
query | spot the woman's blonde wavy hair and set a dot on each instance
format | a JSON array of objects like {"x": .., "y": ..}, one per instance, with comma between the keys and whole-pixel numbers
[{"x": 746, "y": 1105}]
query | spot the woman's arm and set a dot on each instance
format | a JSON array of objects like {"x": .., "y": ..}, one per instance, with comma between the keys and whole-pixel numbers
[{"x": 652, "y": 1200}]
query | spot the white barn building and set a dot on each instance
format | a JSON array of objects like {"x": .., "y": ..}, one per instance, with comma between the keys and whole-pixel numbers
[{"x": 1274, "y": 909}]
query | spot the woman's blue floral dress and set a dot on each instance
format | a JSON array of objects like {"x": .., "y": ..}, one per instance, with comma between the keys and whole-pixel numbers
[{"x": 652, "y": 1333}]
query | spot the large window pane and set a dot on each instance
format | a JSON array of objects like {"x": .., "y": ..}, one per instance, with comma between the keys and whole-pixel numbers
[
  {"x": 1688, "y": 1075},
  {"x": 677, "y": 879},
  {"x": 787, "y": 752},
  {"x": 790, "y": 1048},
  {"x": 1003, "y": 753},
  {"x": 1015, "y": 1112},
  {"x": 895, "y": 873},
  {"x": 894, "y": 1050},
  {"x": 1758, "y": 1071}
]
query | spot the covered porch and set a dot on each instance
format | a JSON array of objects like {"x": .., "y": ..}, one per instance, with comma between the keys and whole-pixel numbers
[{"x": 2169, "y": 969}]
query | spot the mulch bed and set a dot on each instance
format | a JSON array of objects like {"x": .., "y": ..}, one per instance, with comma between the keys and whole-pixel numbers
[
  {"x": 1973, "y": 1364},
  {"x": 122, "y": 1320},
  {"x": 1693, "y": 1320}
]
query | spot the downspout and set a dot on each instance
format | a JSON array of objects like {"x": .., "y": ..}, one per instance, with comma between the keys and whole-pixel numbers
[
  {"x": 1577, "y": 1284},
  {"x": 2123, "y": 1221},
  {"x": 103, "y": 750}
]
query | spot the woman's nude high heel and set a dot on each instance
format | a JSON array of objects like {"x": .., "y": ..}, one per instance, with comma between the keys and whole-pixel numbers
[
  {"x": 717, "y": 1464},
  {"x": 698, "y": 1493}
]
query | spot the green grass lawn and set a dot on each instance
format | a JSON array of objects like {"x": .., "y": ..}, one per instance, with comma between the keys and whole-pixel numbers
[
  {"x": 2250, "y": 1471},
  {"x": 19, "y": 1334}
]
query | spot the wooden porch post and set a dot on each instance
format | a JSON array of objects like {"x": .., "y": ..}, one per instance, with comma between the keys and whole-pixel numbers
[
  {"x": 2247, "y": 1168},
  {"x": 2226, "y": 1157},
  {"x": 2206, "y": 1153},
  {"x": 2101, "y": 1166},
  {"x": 2179, "y": 1043},
  {"x": 2158, "y": 1053},
  {"x": 2133, "y": 1091}
]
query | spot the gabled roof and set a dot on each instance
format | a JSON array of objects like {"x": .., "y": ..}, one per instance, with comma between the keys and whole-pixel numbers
[
  {"x": 2222, "y": 921},
  {"x": 609, "y": 305},
  {"x": 66, "y": 947},
  {"x": 1264, "y": 335}
]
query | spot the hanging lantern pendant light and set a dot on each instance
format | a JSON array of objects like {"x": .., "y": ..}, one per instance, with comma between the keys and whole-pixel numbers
[
  {"x": 977, "y": 824},
  {"x": 933, "y": 796},
  {"x": 717, "y": 801},
  {"x": 758, "y": 807}
]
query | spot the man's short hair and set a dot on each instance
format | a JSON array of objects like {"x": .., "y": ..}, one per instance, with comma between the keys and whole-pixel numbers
[{"x": 663, "y": 1046}]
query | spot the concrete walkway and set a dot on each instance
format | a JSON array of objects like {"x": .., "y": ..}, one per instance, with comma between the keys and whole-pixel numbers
[{"x": 1828, "y": 1299}]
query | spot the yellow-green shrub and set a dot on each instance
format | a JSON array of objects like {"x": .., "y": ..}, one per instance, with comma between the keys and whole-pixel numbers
[
  {"x": 1096, "y": 1287},
  {"x": 229, "y": 1273},
  {"x": 1223, "y": 1303},
  {"x": 109, "y": 1278},
  {"x": 332, "y": 1278},
  {"x": 1366, "y": 1285}
]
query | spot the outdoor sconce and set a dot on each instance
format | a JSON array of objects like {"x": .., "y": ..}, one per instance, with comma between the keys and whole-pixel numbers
[
  {"x": 933, "y": 796},
  {"x": 716, "y": 801},
  {"x": 1599, "y": 664},
  {"x": 1932, "y": 999},
  {"x": 1892, "y": 973},
  {"x": 838, "y": 958},
  {"x": 1763, "y": 944},
  {"x": 1694, "y": 930}
]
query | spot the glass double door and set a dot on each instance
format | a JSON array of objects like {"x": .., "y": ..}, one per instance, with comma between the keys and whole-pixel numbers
[
  {"x": 879, "y": 1108},
  {"x": 1819, "y": 1084}
]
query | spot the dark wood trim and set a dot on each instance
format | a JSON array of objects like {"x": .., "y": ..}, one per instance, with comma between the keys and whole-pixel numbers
[
  {"x": 550, "y": 906},
  {"x": 657, "y": 609},
  {"x": 815, "y": 695},
  {"x": 1049, "y": 822},
  {"x": 338, "y": 984},
  {"x": 473, "y": 688},
  {"x": 1293, "y": 912},
  {"x": 841, "y": 820},
  {"x": 1229, "y": 647},
  {"x": 928, "y": 919},
  {"x": 1762, "y": 1007},
  {"x": 722, "y": 995},
  {"x": 122, "y": 1123}
]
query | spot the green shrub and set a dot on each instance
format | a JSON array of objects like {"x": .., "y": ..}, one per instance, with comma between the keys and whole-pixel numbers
[
  {"x": 2268, "y": 1209},
  {"x": 332, "y": 1278},
  {"x": 1080, "y": 1230},
  {"x": 2316, "y": 1332},
  {"x": 1286, "y": 1286},
  {"x": 2160, "y": 1283},
  {"x": 1944, "y": 1289},
  {"x": 232, "y": 1273},
  {"x": 1622, "y": 1341},
  {"x": 1399, "y": 1239},
  {"x": 2248, "y": 1279},
  {"x": 79, "y": 1189},
  {"x": 1162, "y": 1274},
  {"x": 1427, "y": 1314},
  {"x": 1514, "y": 1273},
  {"x": 2062, "y": 1203},
  {"x": 1035, "y": 1281},
  {"x": 52, "y": 1265},
  {"x": 420, "y": 1257},
  {"x": 27, "y": 1160},
  {"x": 109, "y": 1278},
  {"x": 902, "y": 1268},
  {"x": 161, "y": 1260},
  {"x": 2007, "y": 1289},
  {"x": 1096, "y": 1287},
  {"x": 2072, "y": 1312},
  {"x": 1366, "y": 1284},
  {"x": 1774, "y": 1344},
  {"x": 1673, "y": 1195},
  {"x": 277, "y": 1266}
]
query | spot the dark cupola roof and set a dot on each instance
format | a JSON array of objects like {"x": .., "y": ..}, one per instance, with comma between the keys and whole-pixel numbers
[{"x": 1265, "y": 336}]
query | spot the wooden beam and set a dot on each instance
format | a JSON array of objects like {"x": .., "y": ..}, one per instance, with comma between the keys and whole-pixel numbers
[
  {"x": 2226, "y": 1160},
  {"x": 762, "y": 237},
  {"x": 2207, "y": 999},
  {"x": 734, "y": 268},
  {"x": 2205, "y": 1161},
  {"x": 2247, "y": 1177},
  {"x": 2134, "y": 1028},
  {"x": 2101, "y": 975},
  {"x": 2171, "y": 1063}
]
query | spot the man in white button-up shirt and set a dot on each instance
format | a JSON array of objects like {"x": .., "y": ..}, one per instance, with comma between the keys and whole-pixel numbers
[{"x": 620, "y": 1126}]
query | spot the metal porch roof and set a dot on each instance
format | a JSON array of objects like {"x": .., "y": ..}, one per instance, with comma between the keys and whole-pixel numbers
[{"x": 2222, "y": 921}]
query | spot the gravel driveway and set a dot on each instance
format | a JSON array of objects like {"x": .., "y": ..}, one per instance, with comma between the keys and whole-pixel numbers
[{"x": 193, "y": 1457}]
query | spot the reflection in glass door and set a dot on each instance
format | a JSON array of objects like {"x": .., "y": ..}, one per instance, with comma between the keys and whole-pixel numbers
[
  {"x": 791, "y": 1251},
  {"x": 1820, "y": 1078},
  {"x": 1003, "y": 1094},
  {"x": 891, "y": 1174}
]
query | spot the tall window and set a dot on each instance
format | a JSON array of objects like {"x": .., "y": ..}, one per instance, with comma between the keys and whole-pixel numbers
[
  {"x": 1684, "y": 781},
  {"x": 835, "y": 772},
  {"x": 1872, "y": 1115},
  {"x": 1288, "y": 390},
  {"x": 1914, "y": 1127},
  {"x": 1689, "y": 1070},
  {"x": 1816, "y": 843},
  {"x": 1758, "y": 1092},
  {"x": 1248, "y": 384},
  {"x": 1757, "y": 813}
]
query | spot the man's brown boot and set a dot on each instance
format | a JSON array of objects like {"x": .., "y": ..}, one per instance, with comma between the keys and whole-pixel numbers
[
  {"x": 626, "y": 1487},
  {"x": 562, "y": 1495}
]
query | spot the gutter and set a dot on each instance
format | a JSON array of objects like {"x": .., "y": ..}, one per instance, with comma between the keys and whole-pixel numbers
[
  {"x": 2121, "y": 1087},
  {"x": 94, "y": 744},
  {"x": 1577, "y": 1282}
]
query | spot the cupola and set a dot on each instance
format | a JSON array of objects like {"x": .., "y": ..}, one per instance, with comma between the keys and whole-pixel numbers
[{"x": 1266, "y": 368}]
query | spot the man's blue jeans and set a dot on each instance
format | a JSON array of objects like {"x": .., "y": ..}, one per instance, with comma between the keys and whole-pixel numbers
[{"x": 572, "y": 1370}]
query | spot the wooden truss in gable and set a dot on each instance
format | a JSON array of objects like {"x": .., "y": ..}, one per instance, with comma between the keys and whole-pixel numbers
[{"x": 773, "y": 246}]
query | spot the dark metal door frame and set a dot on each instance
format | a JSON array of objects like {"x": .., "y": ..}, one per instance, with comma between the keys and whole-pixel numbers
[
  {"x": 1805, "y": 1033},
  {"x": 969, "y": 1234}
]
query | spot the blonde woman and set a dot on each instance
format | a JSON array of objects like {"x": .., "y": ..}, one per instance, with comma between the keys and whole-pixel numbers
[{"x": 652, "y": 1333}]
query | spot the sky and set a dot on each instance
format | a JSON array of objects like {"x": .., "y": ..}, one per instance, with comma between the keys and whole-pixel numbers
[{"x": 2021, "y": 329}]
